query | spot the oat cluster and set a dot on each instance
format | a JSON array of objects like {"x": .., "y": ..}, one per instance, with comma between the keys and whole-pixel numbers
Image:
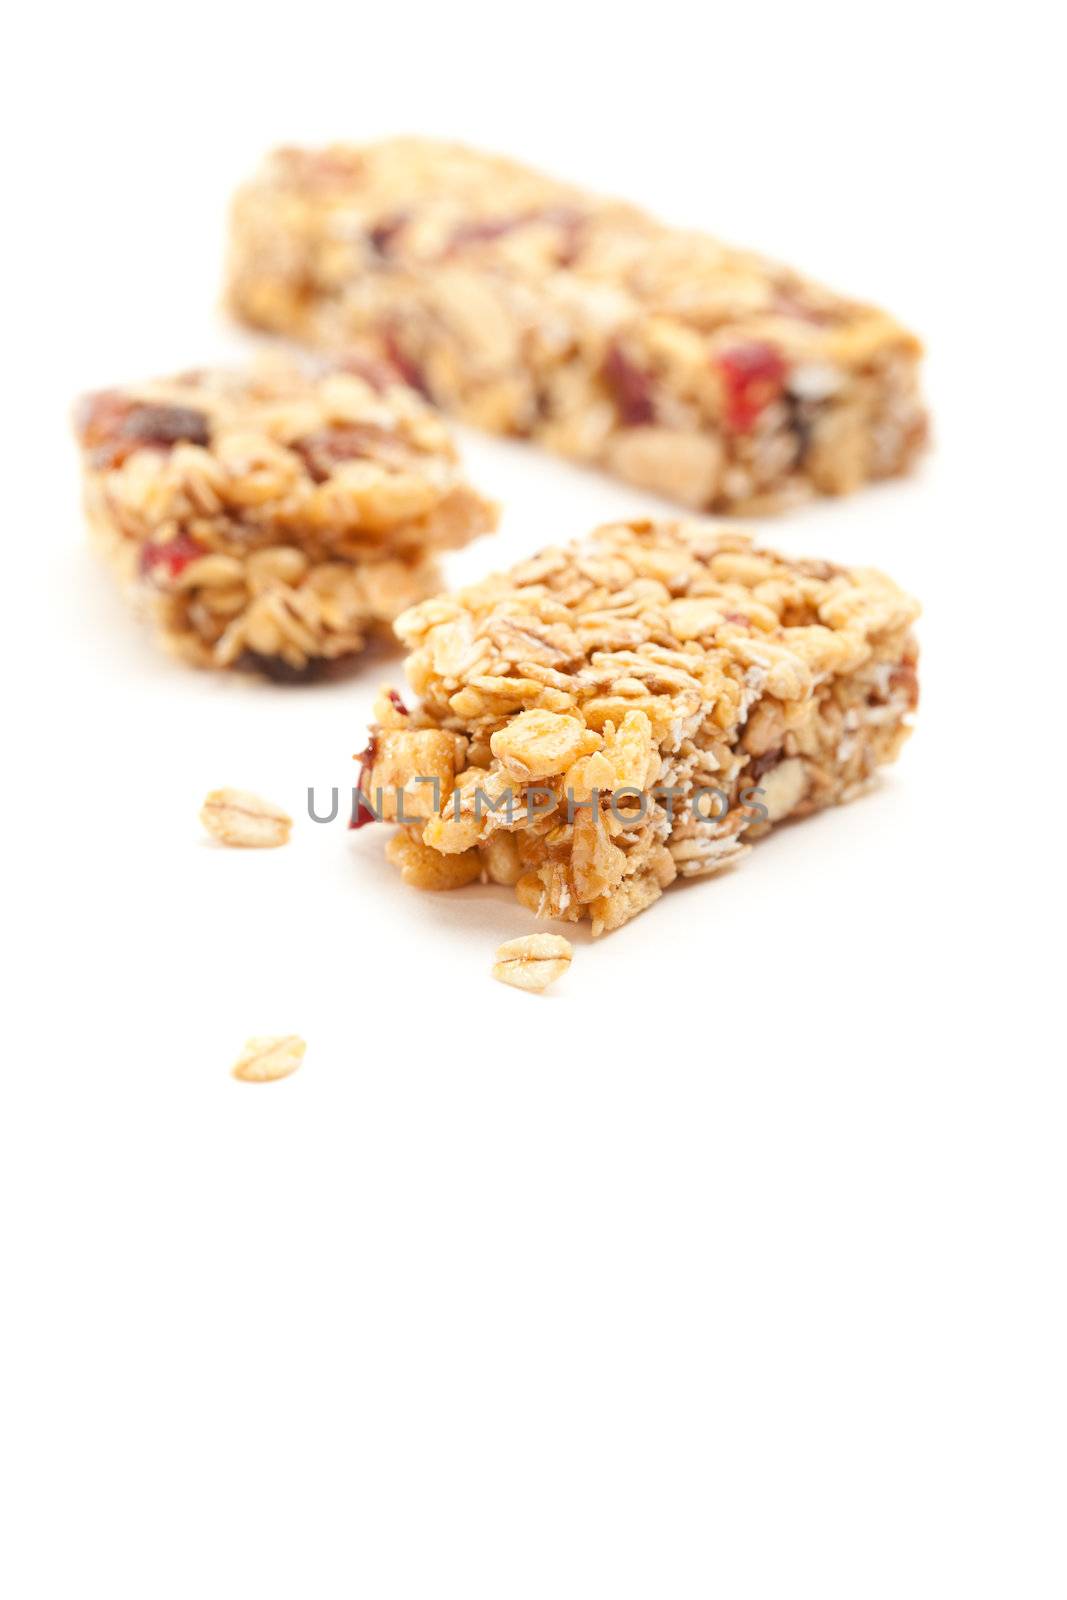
[
  {"x": 274, "y": 518},
  {"x": 663, "y": 659},
  {"x": 531, "y": 308}
]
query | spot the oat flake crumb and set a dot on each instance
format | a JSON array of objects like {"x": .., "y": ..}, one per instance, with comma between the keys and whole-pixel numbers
[
  {"x": 263, "y": 1060},
  {"x": 532, "y": 962},
  {"x": 235, "y": 817}
]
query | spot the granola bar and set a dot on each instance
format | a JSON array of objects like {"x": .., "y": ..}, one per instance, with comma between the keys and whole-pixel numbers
[
  {"x": 707, "y": 374},
  {"x": 637, "y": 708},
  {"x": 274, "y": 518}
]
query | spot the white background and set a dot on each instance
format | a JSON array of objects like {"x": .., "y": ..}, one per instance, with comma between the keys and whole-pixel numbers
[{"x": 732, "y": 1267}]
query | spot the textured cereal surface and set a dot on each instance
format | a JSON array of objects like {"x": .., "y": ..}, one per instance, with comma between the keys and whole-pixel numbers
[
  {"x": 665, "y": 656},
  {"x": 707, "y": 374},
  {"x": 273, "y": 518}
]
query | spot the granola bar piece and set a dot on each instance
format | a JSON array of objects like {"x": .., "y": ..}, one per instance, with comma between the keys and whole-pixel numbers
[
  {"x": 633, "y": 709},
  {"x": 704, "y": 373},
  {"x": 274, "y": 518}
]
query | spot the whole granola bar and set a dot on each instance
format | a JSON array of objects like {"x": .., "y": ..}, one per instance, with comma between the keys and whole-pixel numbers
[
  {"x": 527, "y": 307},
  {"x": 636, "y": 708},
  {"x": 274, "y": 518}
]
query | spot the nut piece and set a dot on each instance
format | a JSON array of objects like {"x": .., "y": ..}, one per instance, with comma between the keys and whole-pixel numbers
[
  {"x": 783, "y": 788},
  {"x": 682, "y": 466},
  {"x": 532, "y": 962},
  {"x": 263, "y": 1060},
  {"x": 235, "y": 817}
]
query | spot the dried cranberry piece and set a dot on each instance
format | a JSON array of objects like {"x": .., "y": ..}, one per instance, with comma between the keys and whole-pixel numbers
[
  {"x": 630, "y": 385},
  {"x": 361, "y": 815},
  {"x": 361, "y": 812},
  {"x": 111, "y": 427},
  {"x": 396, "y": 702},
  {"x": 151, "y": 424},
  {"x": 171, "y": 559},
  {"x": 754, "y": 376}
]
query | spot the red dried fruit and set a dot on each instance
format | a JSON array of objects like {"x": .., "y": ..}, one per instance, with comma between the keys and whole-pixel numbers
[
  {"x": 361, "y": 811},
  {"x": 362, "y": 814},
  {"x": 111, "y": 427},
  {"x": 631, "y": 387},
  {"x": 753, "y": 376},
  {"x": 171, "y": 559},
  {"x": 152, "y": 424},
  {"x": 396, "y": 702}
]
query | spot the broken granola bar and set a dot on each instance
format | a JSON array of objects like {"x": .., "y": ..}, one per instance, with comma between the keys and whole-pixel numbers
[
  {"x": 274, "y": 518},
  {"x": 639, "y": 707}
]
